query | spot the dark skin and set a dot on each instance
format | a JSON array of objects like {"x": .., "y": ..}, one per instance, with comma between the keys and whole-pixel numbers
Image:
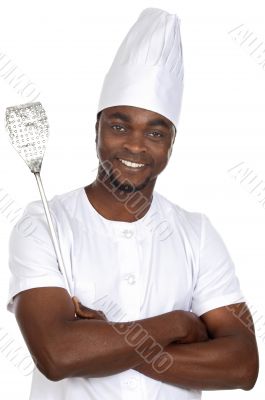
[
  {"x": 193, "y": 362},
  {"x": 215, "y": 351},
  {"x": 136, "y": 135},
  {"x": 63, "y": 345}
]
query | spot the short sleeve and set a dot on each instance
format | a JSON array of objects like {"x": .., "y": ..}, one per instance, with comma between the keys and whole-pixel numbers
[
  {"x": 217, "y": 284},
  {"x": 32, "y": 259}
]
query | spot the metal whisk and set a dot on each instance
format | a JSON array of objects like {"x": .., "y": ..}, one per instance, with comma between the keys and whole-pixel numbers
[{"x": 28, "y": 129}]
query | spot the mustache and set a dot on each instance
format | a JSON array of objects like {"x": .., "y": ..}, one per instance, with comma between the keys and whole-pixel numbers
[{"x": 133, "y": 158}]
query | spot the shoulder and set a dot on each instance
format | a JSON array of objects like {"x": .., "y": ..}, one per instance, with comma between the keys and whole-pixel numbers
[
  {"x": 57, "y": 204},
  {"x": 62, "y": 208},
  {"x": 190, "y": 221}
]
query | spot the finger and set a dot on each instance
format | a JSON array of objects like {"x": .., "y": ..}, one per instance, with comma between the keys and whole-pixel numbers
[
  {"x": 102, "y": 313},
  {"x": 85, "y": 312},
  {"x": 81, "y": 310},
  {"x": 81, "y": 307},
  {"x": 76, "y": 302}
]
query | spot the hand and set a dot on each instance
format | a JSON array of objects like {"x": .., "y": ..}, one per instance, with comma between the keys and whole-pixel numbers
[
  {"x": 195, "y": 329},
  {"x": 87, "y": 313}
]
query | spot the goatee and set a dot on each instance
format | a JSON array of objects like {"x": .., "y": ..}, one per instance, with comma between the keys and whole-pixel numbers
[{"x": 126, "y": 186}]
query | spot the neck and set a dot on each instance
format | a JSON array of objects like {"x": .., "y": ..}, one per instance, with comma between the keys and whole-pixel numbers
[{"x": 117, "y": 205}]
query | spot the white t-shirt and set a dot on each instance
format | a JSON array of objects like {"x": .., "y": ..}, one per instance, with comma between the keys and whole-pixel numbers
[{"x": 169, "y": 259}]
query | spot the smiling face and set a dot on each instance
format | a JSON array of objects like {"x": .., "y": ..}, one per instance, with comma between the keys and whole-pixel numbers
[{"x": 133, "y": 147}]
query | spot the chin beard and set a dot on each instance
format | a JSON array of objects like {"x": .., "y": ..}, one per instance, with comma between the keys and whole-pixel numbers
[
  {"x": 108, "y": 174},
  {"x": 126, "y": 186}
]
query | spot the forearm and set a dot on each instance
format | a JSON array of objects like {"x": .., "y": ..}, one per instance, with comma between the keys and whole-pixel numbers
[
  {"x": 221, "y": 363},
  {"x": 96, "y": 348}
]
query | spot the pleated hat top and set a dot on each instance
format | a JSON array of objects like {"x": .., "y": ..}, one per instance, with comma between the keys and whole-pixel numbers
[{"x": 147, "y": 71}]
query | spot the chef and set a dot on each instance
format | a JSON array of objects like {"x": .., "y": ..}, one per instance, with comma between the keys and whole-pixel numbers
[{"x": 155, "y": 310}]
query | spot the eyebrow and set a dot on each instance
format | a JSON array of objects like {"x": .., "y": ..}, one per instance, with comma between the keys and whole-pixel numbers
[
  {"x": 121, "y": 116},
  {"x": 158, "y": 121},
  {"x": 153, "y": 122}
]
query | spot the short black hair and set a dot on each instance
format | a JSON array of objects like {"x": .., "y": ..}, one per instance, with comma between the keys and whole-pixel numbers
[{"x": 98, "y": 115}]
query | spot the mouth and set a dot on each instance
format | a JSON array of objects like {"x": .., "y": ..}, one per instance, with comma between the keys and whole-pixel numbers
[{"x": 132, "y": 165}]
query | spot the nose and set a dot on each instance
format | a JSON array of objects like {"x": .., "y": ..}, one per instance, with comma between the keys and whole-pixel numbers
[{"x": 135, "y": 142}]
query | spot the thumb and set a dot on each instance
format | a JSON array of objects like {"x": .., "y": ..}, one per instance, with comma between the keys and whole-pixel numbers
[{"x": 81, "y": 310}]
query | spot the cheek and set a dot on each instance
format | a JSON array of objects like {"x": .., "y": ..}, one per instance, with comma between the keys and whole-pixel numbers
[
  {"x": 101, "y": 142},
  {"x": 105, "y": 148},
  {"x": 106, "y": 141},
  {"x": 162, "y": 155}
]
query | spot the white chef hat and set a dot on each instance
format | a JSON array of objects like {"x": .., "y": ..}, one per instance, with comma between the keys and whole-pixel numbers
[{"x": 147, "y": 71}]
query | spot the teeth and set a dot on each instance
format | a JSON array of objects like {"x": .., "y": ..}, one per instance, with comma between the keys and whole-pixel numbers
[{"x": 131, "y": 164}]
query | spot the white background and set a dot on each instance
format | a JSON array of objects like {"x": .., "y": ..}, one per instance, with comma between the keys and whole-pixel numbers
[{"x": 66, "y": 48}]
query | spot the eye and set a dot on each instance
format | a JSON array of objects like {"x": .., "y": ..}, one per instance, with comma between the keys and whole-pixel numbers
[
  {"x": 118, "y": 128},
  {"x": 156, "y": 134}
]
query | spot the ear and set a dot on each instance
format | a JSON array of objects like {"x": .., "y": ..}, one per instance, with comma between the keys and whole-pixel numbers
[
  {"x": 171, "y": 146},
  {"x": 174, "y": 137},
  {"x": 96, "y": 129}
]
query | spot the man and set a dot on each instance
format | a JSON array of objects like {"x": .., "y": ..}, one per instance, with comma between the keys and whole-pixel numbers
[{"x": 155, "y": 310}]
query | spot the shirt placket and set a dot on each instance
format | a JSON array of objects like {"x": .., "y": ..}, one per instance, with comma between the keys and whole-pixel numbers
[
  {"x": 129, "y": 285},
  {"x": 129, "y": 294}
]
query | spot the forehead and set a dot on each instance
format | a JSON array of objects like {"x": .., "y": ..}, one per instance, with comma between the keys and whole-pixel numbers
[{"x": 137, "y": 115}]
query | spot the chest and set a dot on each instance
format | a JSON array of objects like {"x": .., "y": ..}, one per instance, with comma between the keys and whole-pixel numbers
[{"x": 131, "y": 278}]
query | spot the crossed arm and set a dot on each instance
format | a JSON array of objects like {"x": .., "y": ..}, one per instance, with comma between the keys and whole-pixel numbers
[
  {"x": 216, "y": 351},
  {"x": 228, "y": 360}
]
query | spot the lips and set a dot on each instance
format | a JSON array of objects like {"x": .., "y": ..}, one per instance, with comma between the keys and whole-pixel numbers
[
  {"x": 131, "y": 165},
  {"x": 137, "y": 160}
]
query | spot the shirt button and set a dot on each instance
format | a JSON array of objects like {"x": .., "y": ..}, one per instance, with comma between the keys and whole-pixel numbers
[
  {"x": 130, "y": 278},
  {"x": 127, "y": 233},
  {"x": 132, "y": 383}
]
